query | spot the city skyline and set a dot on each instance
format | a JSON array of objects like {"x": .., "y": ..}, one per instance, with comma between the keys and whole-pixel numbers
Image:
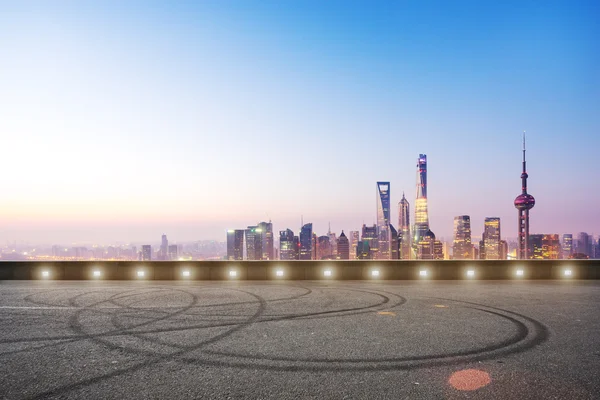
[{"x": 124, "y": 123}]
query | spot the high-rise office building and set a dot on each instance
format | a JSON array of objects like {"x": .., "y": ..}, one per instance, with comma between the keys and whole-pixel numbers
[
  {"x": 235, "y": 244},
  {"x": 354, "y": 239},
  {"x": 323, "y": 248},
  {"x": 524, "y": 202},
  {"x": 567, "y": 245},
  {"x": 503, "y": 250},
  {"x": 314, "y": 246},
  {"x": 462, "y": 248},
  {"x": 421, "y": 214},
  {"x": 288, "y": 247},
  {"x": 550, "y": 247},
  {"x": 394, "y": 243},
  {"x": 146, "y": 252},
  {"x": 253, "y": 243},
  {"x": 426, "y": 247},
  {"x": 306, "y": 239},
  {"x": 383, "y": 220},
  {"x": 491, "y": 238},
  {"x": 172, "y": 252},
  {"x": 536, "y": 246},
  {"x": 164, "y": 248},
  {"x": 332, "y": 241},
  {"x": 404, "y": 237},
  {"x": 597, "y": 251},
  {"x": 584, "y": 244},
  {"x": 438, "y": 250},
  {"x": 266, "y": 231},
  {"x": 369, "y": 236},
  {"x": 363, "y": 252},
  {"x": 343, "y": 247}
]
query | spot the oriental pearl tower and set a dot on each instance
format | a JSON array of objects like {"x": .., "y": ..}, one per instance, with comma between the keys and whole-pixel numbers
[{"x": 524, "y": 202}]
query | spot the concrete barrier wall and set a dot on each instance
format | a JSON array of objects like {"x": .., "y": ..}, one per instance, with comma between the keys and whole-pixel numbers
[{"x": 299, "y": 270}]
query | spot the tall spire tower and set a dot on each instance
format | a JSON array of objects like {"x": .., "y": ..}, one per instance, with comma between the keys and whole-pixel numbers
[
  {"x": 421, "y": 214},
  {"x": 404, "y": 228},
  {"x": 524, "y": 202}
]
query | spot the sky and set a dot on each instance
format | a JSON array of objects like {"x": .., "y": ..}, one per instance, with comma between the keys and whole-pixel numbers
[{"x": 123, "y": 120}]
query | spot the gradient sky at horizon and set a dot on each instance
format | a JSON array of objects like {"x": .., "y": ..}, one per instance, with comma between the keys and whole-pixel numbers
[{"x": 124, "y": 120}]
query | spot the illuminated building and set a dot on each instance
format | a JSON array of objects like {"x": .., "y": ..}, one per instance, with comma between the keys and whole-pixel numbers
[
  {"x": 491, "y": 238},
  {"x": 536, "y": 250},
  {"x": 266, "y": 238},
  {"x": 343, "y": 247},
  {"x": 306, "y": 239},
  {"x": 462, "y": 247},
  {"x": 550, "y": 247},
  {"x": 426, "y": 246},
  {"x": 253, "y": 243},
  {"x": 404, "y": 238},
  {"x": 438, "y": 250},
  {"x": 369, "y": 235},
  {"x": 146, "y": 252},
  {"x": 421, "y": 215},
  {"x": 323, "y": 248},
  {"x": 314, "y": 246},
  {"x": 363, "y": 252},
  {"x": 383, "y": 220},
  {"x": 288, "y": 245},
  {"x": 354, "y": 238},
  {"x": 524, "y": 202},
  {"x": 567, "y": 245},
  {"x": 394, "y": 243},
  {"x": 235, "y": 244}
]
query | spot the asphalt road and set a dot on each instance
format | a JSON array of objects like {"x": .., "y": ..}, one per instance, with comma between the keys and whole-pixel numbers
[{"x": 326, "y": 339}]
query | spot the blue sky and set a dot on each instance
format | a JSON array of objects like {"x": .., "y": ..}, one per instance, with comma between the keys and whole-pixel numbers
[{"x": 123, "y": 120}]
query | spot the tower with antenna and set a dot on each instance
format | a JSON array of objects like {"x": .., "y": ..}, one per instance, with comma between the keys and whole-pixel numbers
[{"x": 524, "y": 202}]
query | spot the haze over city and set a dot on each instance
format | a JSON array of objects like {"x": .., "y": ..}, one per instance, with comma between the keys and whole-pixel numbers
[{"x": 122, "y": 122}]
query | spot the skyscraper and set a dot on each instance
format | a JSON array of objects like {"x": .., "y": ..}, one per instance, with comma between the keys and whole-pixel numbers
[
  {"x": 567, "y": 245},
  {"x": 253, "y": 243},
  {"x": 235, "y": 244},
  {"x": 306, "y": 239},
  {"x": 404, "y": 238},
  {"x": 323, "y": 248},
  {"x": 383, "y": 220},
  {"x": 164, "y": 248},
  {"x": 369, "y": 236},
  {"x": 266, "y": 231},
  {"x": 146, "y": 252},
  {"x": 584, "y": 244},
  {"x": 550, "y": 247},
  {"x": 394, "y": 243},
  {"x": 421, "y": 213},
  {"x": 354, "y": 239},
  {"x": 524, "y": 202},
  {"x": 343, "y": 247},
  {"x": 288, "y": 249},
  {"x": 536, "y": 247},
  {"x": 172, "y": 256},
  {"x": 462, "y": 247},
  {"x": 491, "y": 238}
]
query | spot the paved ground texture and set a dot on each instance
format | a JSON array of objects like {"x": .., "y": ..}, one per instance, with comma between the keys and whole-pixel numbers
[{"x": 326, "y": 339}]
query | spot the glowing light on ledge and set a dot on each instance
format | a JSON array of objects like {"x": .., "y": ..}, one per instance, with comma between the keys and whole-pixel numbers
[
  {"x": 375, "y": 273},
  {"x": 327, "y": 273},
  {"x": 471, "y": 273},
  {"x": 423, "y": 273}
]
